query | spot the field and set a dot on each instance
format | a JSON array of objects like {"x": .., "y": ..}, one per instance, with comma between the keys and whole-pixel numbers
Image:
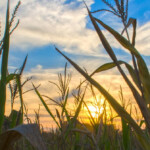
[{"x": 99, "y": 131}]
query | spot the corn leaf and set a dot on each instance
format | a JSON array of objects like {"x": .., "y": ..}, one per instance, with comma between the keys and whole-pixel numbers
[
  {"x": 65, "y": 102},
  {"x": 45, "y": 105},
  {"x": 126, "y": 135},
  {"x": 30, "y": 131},
  {"x": 23, "y": 65},
  {"x": 18, "y": 80},
  {"x": 13, "y": 118},
  {"x": 64, "y": 107},
  {"x": 111, "y": 65},
  {"x": 73, "y": 120},
  {"x": 58, "y": 116},
  {"x": 133, "y": 22}
]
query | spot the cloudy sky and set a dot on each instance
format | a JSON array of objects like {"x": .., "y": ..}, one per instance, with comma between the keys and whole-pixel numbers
[{"x": 65, "y": 24}]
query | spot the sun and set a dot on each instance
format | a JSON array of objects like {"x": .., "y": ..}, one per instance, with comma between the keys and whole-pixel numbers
[
  {"x": 94, "y": 107},
  {"x": 95, "y": 110}
]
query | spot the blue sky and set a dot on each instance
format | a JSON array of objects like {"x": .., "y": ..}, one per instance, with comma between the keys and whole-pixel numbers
[
  {"x": 65, "y": 24},
  {"x": 41, "y": 52}
]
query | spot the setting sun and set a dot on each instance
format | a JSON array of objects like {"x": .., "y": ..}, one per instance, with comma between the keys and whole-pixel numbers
[
  {"x": 95, "y": 107},
  {"x": 95, "y": 110}
]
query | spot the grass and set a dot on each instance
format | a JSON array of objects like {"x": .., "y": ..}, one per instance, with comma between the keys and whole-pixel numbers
[{"x": 72, "y": 133}]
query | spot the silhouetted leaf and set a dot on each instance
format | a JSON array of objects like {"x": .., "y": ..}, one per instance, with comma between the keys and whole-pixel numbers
[{"x": 30, "y": 131}]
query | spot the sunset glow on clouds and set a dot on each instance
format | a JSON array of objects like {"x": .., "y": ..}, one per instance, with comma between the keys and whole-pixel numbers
[{"x": 65, "y": 24}]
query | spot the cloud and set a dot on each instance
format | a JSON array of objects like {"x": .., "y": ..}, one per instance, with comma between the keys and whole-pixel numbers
[
  {"x": 64, "y": 23},
  {"x": 54, "y": 22},
  {"x": 143, "y": 38}
]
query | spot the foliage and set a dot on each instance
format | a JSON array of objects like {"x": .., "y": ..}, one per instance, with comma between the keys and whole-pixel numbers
[{"x": 139, "y": 72}]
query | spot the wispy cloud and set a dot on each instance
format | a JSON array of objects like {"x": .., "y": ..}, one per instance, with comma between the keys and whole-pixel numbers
[
  {"x": 143, "y": 38},
  {"x": 63, "y": 23},
  {"x": 54, "y": 22}
]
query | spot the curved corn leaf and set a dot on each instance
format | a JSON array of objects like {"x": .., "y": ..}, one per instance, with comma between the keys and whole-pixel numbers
[
  {"x": 112, "y": 65},
  {"x": 122, "y": 40},
  {"x": 45, "y": 105},
  {"x": 112, "y": 101},
  {"x": 30, "y": 131},
  {"x": 113, "y": 56},
  {"x": 133, "y": 22},
  {"x": 143, "y": 70}
]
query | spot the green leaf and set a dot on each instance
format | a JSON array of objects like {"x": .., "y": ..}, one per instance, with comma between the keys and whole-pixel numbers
[
  {"x": 65, "y": 102},
  {"x": 13, "y": 117},
  {"x": 72, "y": 121},
  {"x": 64, "y": 107},
  {"x": 126, "y": 135},
  {"x": 58, "y": 116},
  {"x": 123, "y": 41},
  {"x": 23, "y": 65},
  {"x": 45, "y": 105},
  {"x": 111, "y": 65},
  {"x": 20, "y": 95}
]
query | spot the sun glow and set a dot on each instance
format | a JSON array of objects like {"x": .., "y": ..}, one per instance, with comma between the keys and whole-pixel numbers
[{"x": 96, "y": 108}]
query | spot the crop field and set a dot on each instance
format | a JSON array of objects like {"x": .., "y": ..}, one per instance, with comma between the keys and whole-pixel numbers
[{"x": 87, "y": 125}]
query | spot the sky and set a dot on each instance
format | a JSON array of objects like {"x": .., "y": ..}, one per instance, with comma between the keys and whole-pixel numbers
[{"x": 65, "y": 24}]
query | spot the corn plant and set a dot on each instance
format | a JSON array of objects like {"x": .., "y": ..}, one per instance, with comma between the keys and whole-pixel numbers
[
  {"x": 63, "y": 88},
  {"x": 138, "y": 72},
  {"x": 5, "y": 76},
  {"x": 30, "y": 132}
]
